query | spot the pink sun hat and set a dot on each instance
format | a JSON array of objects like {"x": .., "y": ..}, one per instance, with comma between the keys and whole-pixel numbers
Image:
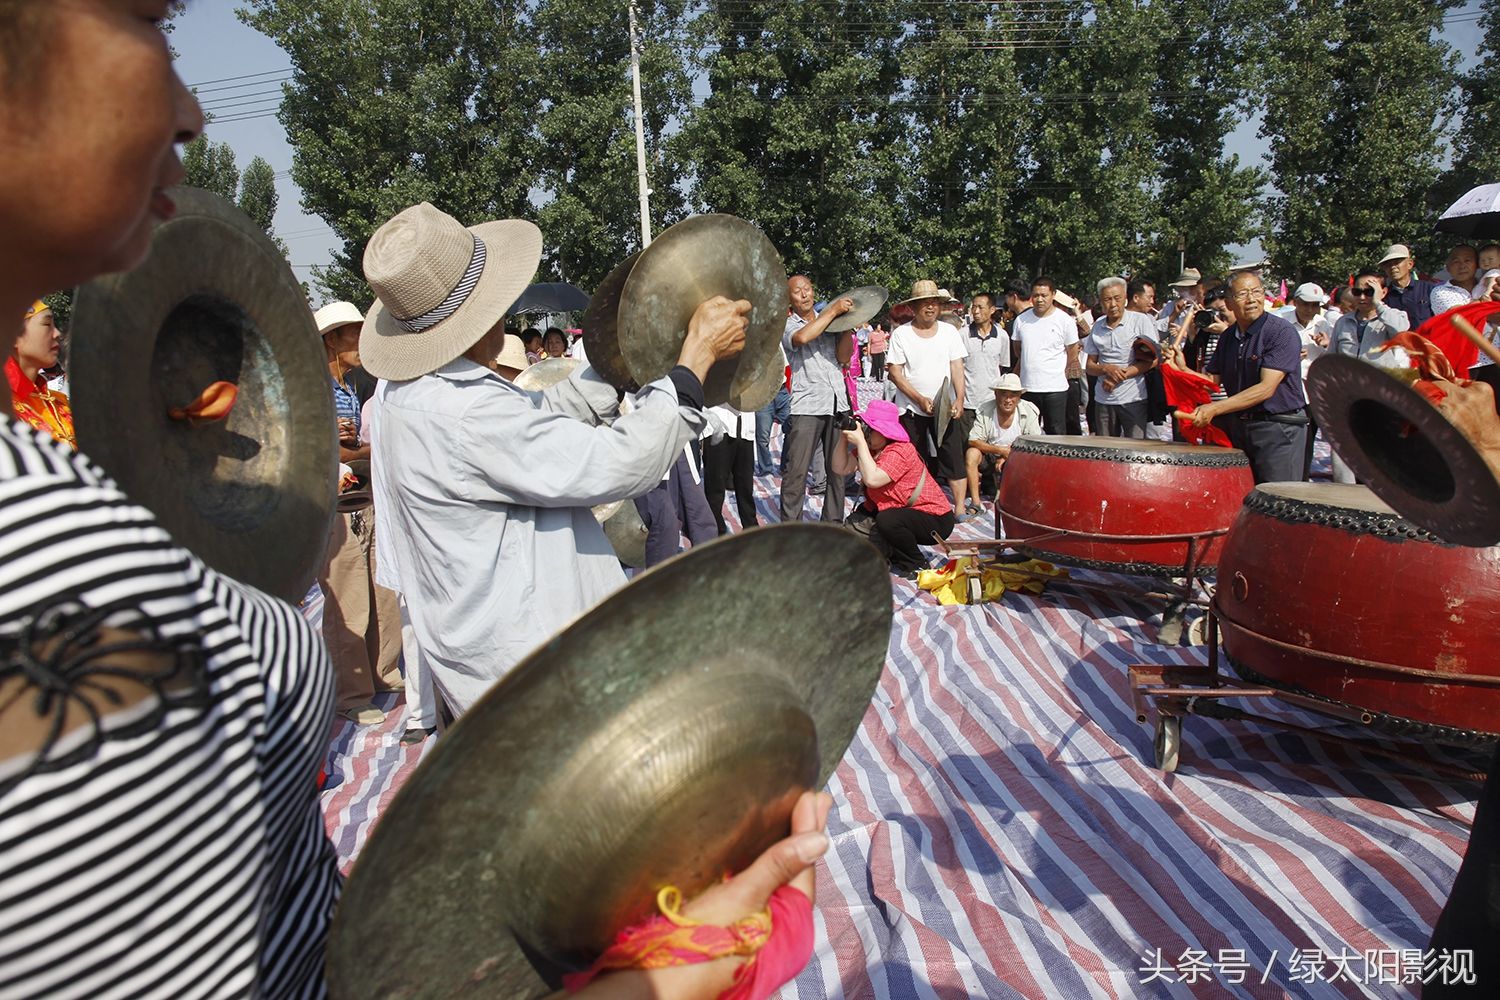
[{"x": 881, "y": 415}]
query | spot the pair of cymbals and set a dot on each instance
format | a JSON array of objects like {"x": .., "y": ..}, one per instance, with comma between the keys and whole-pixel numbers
[
  {"x": 662, "y": 739},
  {"x": 638, "y": 318},
  {"x": 868, "y": 301}
]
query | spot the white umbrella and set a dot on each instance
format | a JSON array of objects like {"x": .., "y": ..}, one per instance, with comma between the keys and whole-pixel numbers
[{"x": 1475, "y": 214}]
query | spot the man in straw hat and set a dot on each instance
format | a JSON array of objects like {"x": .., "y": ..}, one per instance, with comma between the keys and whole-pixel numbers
[
  {"x": 490, "y": 487},
  {"x": 923, "y": 353},
  {"x": 361, "y": 619}
]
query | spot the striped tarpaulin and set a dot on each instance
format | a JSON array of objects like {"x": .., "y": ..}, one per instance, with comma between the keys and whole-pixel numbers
[{"x": 999, "y": 831}]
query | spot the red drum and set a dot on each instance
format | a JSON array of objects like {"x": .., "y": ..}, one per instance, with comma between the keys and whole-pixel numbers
[
  {"x": 1122, "y": 504},
  {"x": 1325, "y": 591}
]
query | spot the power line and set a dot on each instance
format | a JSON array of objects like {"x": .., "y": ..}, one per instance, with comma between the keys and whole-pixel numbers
[{"x": 246, "y": 76}]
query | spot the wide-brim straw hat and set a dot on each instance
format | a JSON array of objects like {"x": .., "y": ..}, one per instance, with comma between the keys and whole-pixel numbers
[
  {"x": 337, "y": 314},
  {"x": 513, "y": 354},
  {"x": 440, "y": 287},
  {"x": 923, "y": 289}
]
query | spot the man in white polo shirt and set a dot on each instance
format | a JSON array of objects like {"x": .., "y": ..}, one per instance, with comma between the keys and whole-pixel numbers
[
  {"x": 1046, "y": 342},
  {"x": 1121, "y": 387}
]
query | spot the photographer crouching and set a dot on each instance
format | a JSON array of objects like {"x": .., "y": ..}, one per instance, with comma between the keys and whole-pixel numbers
[{"x": 904, "y": 507}]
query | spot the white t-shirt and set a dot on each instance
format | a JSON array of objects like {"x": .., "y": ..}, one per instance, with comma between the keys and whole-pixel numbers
[
  {"x": 1044, "y": 349},
  {"x": 925, "y": 360}
]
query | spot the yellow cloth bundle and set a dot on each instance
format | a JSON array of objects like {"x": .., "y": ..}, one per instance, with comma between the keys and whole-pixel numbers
[{"x": 951, "y": 582}]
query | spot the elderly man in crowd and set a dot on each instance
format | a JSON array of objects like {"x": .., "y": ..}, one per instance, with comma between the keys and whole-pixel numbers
[
  {"x": 818, "y": 397},
  {"x": 361, "y": 619},
  {"x": 1360, "y": 332},
  {"x": 1045, "y": 346},
  {"x": 989, "y": 357},
  {"x": 491, "y": 486},
  {"x": 1404, "y": 291},
  {"x": 1259, "y": 363},
  {"x": 1111, "y": 351},
  {"x": 998, "y": 422},
  {"x": 1463, "y": 285}
]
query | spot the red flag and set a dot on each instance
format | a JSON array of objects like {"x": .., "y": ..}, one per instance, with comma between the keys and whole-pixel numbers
[
  {"x": 1186, "y": 391},
  {"x": 1459, "y": 349}
]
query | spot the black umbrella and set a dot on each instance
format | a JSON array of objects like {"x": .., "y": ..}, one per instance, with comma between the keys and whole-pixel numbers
[
  {"x": 1475, "y": 214},
  {"x": 551, "y": 297}
]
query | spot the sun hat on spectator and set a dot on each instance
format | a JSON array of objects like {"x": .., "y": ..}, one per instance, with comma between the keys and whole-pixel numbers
[
  {"x": 337, "y": 314},
  {"x": 1009, "y": 382},
  {"x": 923, "y": 289},
  {"x": 881, "y": 415}
]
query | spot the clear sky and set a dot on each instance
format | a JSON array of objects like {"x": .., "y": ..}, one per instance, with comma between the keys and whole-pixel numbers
[{"x": 237, "y": 72}]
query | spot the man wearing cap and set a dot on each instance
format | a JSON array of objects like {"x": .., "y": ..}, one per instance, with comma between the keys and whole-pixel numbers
[
  {"x": 1189, "y": 292},
  {"x": 1045, "y": 346},
  {"x": 998, "y": 422},
  {"x": 1259, "y": 363},
  {"x": 489, "y": 486},
  {"x": 1315, "y": 330},
  {"x": 361, "y": 619},
  {"x": 1404, "y": 291},
  {"x": 818, "y": 397},
  {"x": 1114, "y": 360}
]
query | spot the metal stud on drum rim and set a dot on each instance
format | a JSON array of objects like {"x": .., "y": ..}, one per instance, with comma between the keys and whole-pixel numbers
[
  {"x": 1405, "y": 450},
  {"x": 649, "y": 743},
  {"x": 251, "y": 495}
]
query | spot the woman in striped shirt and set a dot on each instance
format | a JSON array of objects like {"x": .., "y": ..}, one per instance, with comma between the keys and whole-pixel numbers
[{"x": 161, "y": 726}]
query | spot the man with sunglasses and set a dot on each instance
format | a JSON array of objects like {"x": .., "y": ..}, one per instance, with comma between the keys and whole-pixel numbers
[
  {"x": 1259, "y": 363},
  {"x": 1371, "y": 323}
]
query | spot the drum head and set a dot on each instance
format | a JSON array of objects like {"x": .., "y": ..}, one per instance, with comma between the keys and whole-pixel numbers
[{"x": 1407, "y": 452}]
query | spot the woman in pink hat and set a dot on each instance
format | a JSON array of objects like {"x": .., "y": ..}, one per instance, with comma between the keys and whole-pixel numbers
[{"x": 907, "y": 505}]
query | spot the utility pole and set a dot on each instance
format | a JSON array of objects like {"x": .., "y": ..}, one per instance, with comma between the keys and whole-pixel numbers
[{"x": 640, "y": 133}]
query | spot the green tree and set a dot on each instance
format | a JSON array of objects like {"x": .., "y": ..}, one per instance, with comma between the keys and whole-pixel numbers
[
  {"x": 211, "y": 166},
  {"x": 402, "y": 101},
  {"x": 1353, "y": 120},
  {"x": 1476, "y": 145},
  {"x": 800, "y": 135},
  {"x": 1086, "y": 207},
  {"x": 1208, "y": 200},
  {"x": 587, "y": 160},
  {"x": 258, "y": 199},
  {"x": 962, "y": 151}
]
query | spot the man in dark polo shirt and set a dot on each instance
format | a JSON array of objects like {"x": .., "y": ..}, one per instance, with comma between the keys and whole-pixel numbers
[
  {"x": 1403, "y": 289},
  {"x": 1259, "y": 362}
]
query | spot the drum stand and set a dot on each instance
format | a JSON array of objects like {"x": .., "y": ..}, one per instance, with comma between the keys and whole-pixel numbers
[
  {"x": 1176, "y": 596},
  {"x": 1179, "y": 691}
]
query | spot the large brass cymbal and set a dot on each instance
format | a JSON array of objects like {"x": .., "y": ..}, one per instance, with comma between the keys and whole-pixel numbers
[
  {"x": 638, "y": 318},
  {"x": 1405, "y": 450},
  {"x": 661, "y": 739},
  {"x": 868, "y": 301},
  {"x": 942, "y": 410},
  {"x": 251, "y": 494}
]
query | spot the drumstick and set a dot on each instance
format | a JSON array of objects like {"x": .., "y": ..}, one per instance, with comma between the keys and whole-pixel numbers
[{"x": 1466, "y": 328}]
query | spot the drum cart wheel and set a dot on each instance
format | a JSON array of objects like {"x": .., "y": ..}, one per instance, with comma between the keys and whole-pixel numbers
[{"x": 1168, "y": 742}]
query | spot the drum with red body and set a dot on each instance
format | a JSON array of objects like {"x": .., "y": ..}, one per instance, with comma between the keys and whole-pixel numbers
[
  {"x": 1313, "y": 573},
  {"x": 1122, "y": 504}
]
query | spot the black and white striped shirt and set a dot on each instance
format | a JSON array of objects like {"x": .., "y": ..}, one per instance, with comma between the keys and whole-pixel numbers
[{"x": 190, "y": 860}]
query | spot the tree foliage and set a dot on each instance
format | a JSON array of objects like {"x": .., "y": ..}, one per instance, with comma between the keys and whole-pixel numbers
[
  {"x": 1353, "y": 119},
  {"x": 1476, "y": 143},
  {"x": 212, "y": 167},
  {"x": 890, "y": 140},
  {"x": 403, "y": 101}
]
